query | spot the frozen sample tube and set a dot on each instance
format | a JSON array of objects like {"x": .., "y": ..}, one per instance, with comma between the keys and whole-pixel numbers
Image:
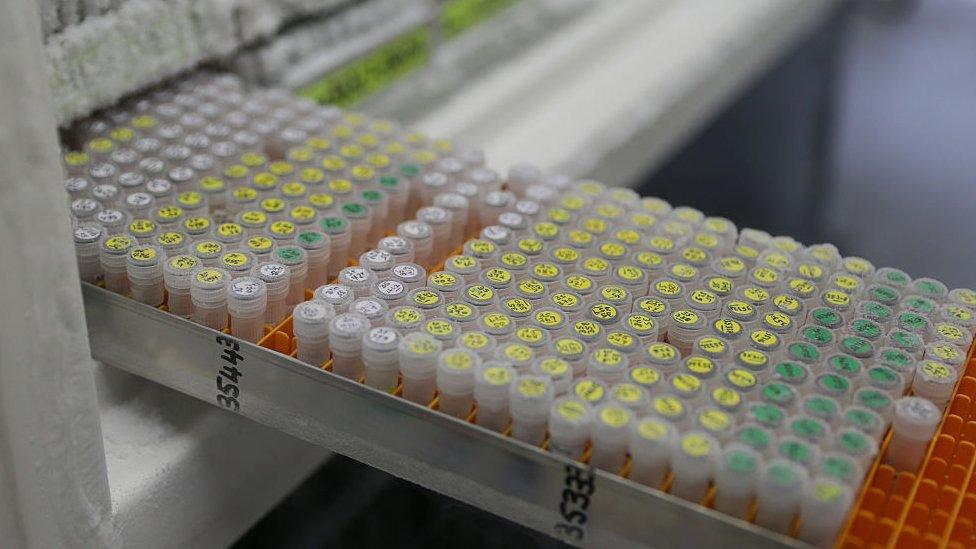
[
  {"x": 208, "y": 291},
  {"x": 378, "y": 262},
  {"x": 346, "y": 333},
  {"x": 439, "y": 220},
  {"x": 339, "y": 296},
  {"x": 276, "y": 277},
  {"x": 569, "y": 426},
  {"x": 397, "y": 189},
  {"x": 405, "y": 319},
  {"x": 177, "y": 276},
  {"x": 631, "y": 396},
  {"x": 87, "y": 239},
  {"x": 478, "y": 342},
  {"x": 686, "y": 326},
  {"x": 610, "y": 434},
  {"x": 736, "y": 476},
  {"x": 317, "y": 246},
  {"x": 885, "y": 379},
  {"x": 380, "y": 358},
  {"x": 529, "y": 403},
  {"x": 410, "y": 275},
  {"x": 229, "y": 234},
  {"x": 372, "y": 308},
  {"x": 754, "y": 436},
  {"x": 378, "y": 204},
  {"x": 823, "y": 507},
  {"x": 390, "y": 292},
  {"x": 400, "y": 248},
  {"x": 663, "y": 356},
  {"x": 556, "y": 369},
  {"x": 84, "y": 209},
  {"x": 935, "y": 381},
  {"x": 295, "y": 258},
  {"x": 237, "y": 262},
  {"x": 915, "y": 423},
  {"x": 856, "y": 444},
  {"x": 499, "y": 325},
  {"x": 492, "y": 387},
  {"x": 781, "y": 485},
  {"x": 340, "y": 236},
  {"x": 260, "y": 247},
  {"x": 821, "y": 407},
  {"x": 144, "y": 270},
  {"x": 448, "y": 285},
  {"x": 589, "y": 390},
  {"x": 947, "y": 353},
  {"x": 464, "y": 267},
  {"x": 247, "y": 301},
  {"x": 420, "y": 235},
  {"x": 651, "y": 445},
  {"x": 455, "y": 380},
  {"x": 608, "y": 365},
  {"x": 427, "y": 300},
  {"x": 418, "y": 354},
  {"x": 208, "y": 252},
  {"x": 310, "y": 323},
  {"x": 692, "y": 462}
]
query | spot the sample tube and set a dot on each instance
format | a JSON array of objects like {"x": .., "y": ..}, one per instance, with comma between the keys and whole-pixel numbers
[
  {"x": 340, "y": 236},
  {"x": 113, "y": 254},
  {"x": 916, "y": 420},
  {"x": 455, "y": 381},
  {"x": 144, "y": 269},
  {"x": 276, "y": 277},
  {"x": 400, "y": 248},
  {"x": 557, "y": 369},
  {"x": 296, "y": 260},
  {"x": 782, "y": 483},
  {"x": 692, "y": 462},
  {"x": 208, "y": 252},
  {"x": 237, "y": 262},
  {"x": 492, "y": 387},
  {"x": 87, "y": 238},
  {"x": 736, "y": 477},
  {"x": 651, "y": 445},
  {"x": 310, "y": 324},
  {"x": 420, "y": 235},
  {"x": 418, "y": 354},
  {"x": 610, "y": 436},
  {"x": 346, "y": 333},
  {"x": 208, "y": 291},
  {"x": 177, "y": 276},
  {"x": 935, "y": 381},
  {"x": 247, "y": 301},
  {"x": 529, "y": 403},
  {"x": 380, "y": 358},
  {"x": 317, "y": 246},
  {"x": 569, "y": 426},
  {"x": 824, "y": 507},
  {"x": 607, "y": 365},
  {"x": 338, "y": 295}
]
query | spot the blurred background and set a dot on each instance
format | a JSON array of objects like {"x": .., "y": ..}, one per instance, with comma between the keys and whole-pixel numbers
[{"x": 860, "y": 131}]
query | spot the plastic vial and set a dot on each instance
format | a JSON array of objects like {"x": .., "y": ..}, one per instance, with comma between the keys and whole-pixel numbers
[
  {"x": 208, "y": 291},
  {"x": 455, "y": 380},
  {"x": 916, "y": 420},
  {"x": 310, "y": 324},
  {"x": 492, "y": 387},
  {"x": 418, "y": 354},
  {"x": 569, "y": 426},
  {"x": 247, "y": 302},
  {"x": 317, "y": 246},
  {"x": 87, "y": 239},
  {"x": 610, "y": 436},
  {"x": 359, "y": 279},
  {"x": 530, "y": 399},
  {"x": 346, "y": 341},
  {"x": 340, "y": 236},
  {"x": 378, "y": 262},
  {"x": 608, "y": 365},
  {"x": 420, "y": 235},
  {"x": 237, "y": 262},
  {"x": 372, "y": 308},
  {"x": 144, "y": 269},
  {"x": 782, "y": 483},
  {"x": 380, "y": 358},
  {"x": 295, "y": 258},
  {"x": 736, "y": 477},
  {"x": 400, "y": 248},
  {"x": 410, "y": 275},
  {"x": 276, "y": 277},
  {"x": 692, "y": 462},
  {"x": 824, "y": 507},
  {"x": 651, "y": 445},
  {"x": 177, "y": 276},
  {"x": 338, "y": 295},
  {"x": 935, "y": 381},
  {"x": 557, "y": 369}
]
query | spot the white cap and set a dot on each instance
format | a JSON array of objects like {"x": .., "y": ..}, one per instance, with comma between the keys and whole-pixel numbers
[
  {"x": 346, "y": 332},
  {"x": 247, "y": 295},
  {"x": 916, "y": 418},
  {"x": 311, "y": 319}
]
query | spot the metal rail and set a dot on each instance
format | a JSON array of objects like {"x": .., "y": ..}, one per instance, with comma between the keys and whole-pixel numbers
[{"x": 554, "y": 495}]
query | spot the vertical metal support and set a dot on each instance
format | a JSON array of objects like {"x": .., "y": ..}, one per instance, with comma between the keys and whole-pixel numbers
[{"x": 53, "y": 483}]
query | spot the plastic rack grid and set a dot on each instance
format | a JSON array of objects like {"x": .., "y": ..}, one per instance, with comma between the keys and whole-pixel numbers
[{"x": 935, "y": 507}]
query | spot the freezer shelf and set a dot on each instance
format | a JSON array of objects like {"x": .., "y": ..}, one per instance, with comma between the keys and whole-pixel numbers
[{"x": 527, "y": 485}]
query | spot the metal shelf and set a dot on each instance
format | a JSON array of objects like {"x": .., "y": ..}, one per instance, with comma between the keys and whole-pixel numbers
[{"x": 511, "y": 479}]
